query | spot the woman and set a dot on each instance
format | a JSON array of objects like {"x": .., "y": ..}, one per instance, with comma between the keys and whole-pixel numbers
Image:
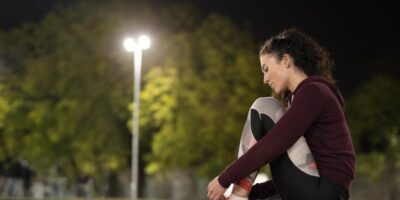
[{"x": 295, "y": 66}]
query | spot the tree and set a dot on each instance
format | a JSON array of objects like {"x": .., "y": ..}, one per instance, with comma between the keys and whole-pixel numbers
[
  {"x": 67, "y": 96},
  {"x": 65, "y": 90},
  {"x": 374, "y": 122},
  {"x": 215, "y": 79}
]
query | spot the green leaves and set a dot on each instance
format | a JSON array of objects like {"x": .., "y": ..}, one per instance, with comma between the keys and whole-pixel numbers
[
  {"x": 373, "y": 113},
  {"x": 59, "y": 84},
  {"x": 374, "y": 121},
  {"x": 215, "y": 80}
]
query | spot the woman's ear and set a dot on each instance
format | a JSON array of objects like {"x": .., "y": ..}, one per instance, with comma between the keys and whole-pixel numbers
[{"x": 286, "y": 60}]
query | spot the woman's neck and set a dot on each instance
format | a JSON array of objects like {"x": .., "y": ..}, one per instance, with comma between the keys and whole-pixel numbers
[{"x": 296, "y": 80}]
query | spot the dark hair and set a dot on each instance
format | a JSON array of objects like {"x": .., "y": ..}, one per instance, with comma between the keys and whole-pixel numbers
[{"x": 306, "y": 53}]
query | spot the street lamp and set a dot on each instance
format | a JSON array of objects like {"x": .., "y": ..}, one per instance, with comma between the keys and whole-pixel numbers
[{"x": 136, "y": 47}]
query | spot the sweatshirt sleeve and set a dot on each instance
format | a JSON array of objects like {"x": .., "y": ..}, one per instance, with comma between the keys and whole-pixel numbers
[{"x": 305, "y": 108}]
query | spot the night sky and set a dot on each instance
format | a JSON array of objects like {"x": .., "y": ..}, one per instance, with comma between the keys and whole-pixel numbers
[{"x": 362, "y": 37}]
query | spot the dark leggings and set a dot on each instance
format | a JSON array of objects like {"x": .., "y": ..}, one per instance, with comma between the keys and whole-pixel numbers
[{"x": 293, "y": 184}]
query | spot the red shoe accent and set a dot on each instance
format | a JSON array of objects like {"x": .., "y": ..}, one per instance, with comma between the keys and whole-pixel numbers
[{"x": 246, "y": 184}]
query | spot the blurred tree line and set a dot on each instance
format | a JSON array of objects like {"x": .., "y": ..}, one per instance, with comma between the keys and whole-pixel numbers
[
  {"x": 374, "y": 120},
  {"x": 66, "y": 88}
]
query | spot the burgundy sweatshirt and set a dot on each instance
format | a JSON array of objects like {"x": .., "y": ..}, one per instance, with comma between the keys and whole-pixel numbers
[{"x": 315, "y": 112}]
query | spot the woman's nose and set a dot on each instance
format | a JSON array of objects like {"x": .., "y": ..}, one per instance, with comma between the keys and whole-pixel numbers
[{"x": 266, "y": 79}]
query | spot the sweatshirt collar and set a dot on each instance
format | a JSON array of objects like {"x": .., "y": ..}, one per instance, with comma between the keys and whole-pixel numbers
[
  {"x": 321, "y": 79},
  {"x": 307, "y": 80}
]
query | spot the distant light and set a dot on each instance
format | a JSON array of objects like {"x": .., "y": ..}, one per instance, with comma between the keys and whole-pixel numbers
[
  {"x": 130, "y": 44},
  {"x": 261, "y": 177},
  {"x": 144, "y": 42}
]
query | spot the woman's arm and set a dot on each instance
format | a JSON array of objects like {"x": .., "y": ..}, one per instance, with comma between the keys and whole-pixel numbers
[{"x": 305, "y": 109}]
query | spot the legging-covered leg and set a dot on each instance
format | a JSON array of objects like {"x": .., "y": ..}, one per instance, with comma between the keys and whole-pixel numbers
[{"x": 262, "y": 116}]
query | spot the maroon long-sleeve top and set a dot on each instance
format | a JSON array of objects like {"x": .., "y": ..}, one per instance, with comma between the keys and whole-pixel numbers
[{"x": 316, "y": 112}]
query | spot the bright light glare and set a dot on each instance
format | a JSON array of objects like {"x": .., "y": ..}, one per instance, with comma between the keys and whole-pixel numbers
[
  {"x": 261, "y": 177},
  {"x": 130, "y": 44},
  {"x": 144, "y": 42}
]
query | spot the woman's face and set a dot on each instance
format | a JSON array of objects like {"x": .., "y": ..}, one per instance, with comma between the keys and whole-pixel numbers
[{"x": 276, "y": 73}]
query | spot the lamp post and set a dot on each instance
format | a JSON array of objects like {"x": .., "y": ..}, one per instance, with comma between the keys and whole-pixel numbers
[{"x": 136, "y": 47}]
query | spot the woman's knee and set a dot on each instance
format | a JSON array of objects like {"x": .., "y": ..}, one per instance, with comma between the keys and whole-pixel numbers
[
  {"x": 264, "y": 113},
  {"x": 269, "y": 106}
]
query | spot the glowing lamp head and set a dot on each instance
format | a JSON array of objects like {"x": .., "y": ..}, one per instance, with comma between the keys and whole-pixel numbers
[
  {"x": 130, "y": 45},
  {"x": 144, "y": 42}
]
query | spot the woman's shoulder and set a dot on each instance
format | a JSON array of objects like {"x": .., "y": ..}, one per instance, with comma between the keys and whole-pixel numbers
[
  {"x": 313, "y": 87},
  {"x": 322, "y": 89}
]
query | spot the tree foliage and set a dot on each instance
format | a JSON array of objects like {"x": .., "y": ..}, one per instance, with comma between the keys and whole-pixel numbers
[
  {"x": 66, "y": 95},
  {"x": 375, "y": 125},
  {"x": 215, "y": 76},
  {"x": 66, "y": 86}
]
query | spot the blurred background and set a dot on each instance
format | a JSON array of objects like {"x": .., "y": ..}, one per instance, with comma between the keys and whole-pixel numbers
[{"x": 66, "y": 87}]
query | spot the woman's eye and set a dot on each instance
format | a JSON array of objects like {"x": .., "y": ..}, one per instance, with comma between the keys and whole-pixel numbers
[{"x": 264, "y": 69}]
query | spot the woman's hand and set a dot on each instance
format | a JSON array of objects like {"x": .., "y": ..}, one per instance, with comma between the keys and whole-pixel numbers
[{"x": 215, "y": 190}]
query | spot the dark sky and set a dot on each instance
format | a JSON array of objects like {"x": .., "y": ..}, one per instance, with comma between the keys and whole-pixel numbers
[{"x": 363, "y": 37}]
